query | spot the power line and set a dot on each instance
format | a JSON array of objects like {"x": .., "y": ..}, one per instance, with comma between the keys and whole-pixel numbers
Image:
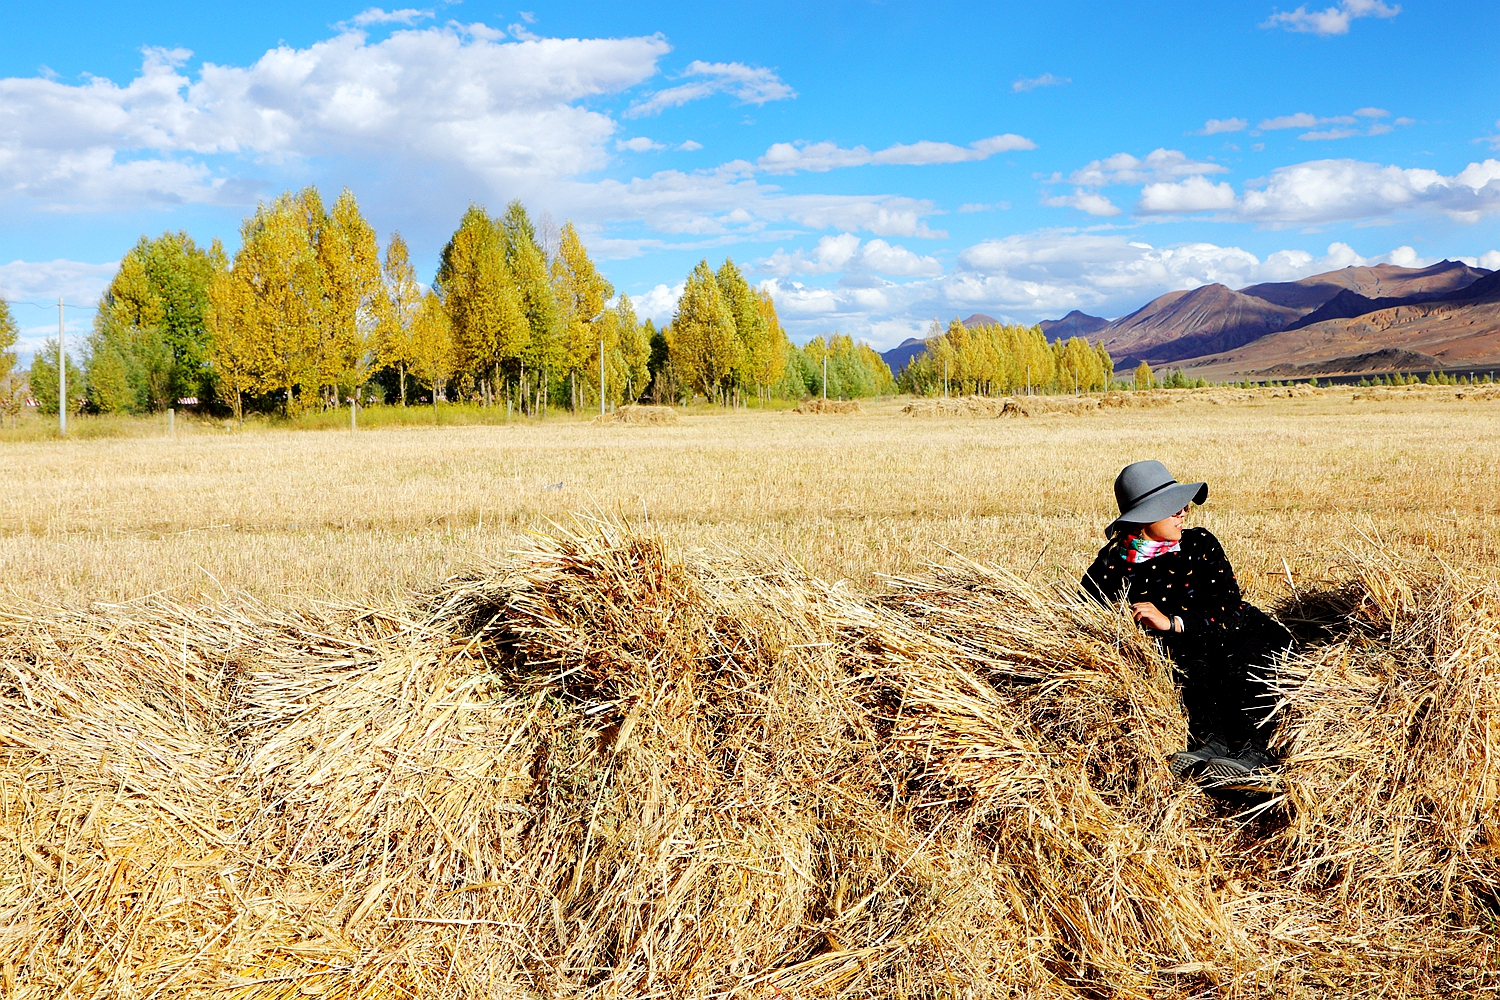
[{"x": 47, "y": 305}]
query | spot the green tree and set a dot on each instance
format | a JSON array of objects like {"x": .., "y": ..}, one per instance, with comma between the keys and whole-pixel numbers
[
  {"x": 11, "y": 388},
  {"x": 43, "y": 380},
  {"x": 528, "y": 266}
]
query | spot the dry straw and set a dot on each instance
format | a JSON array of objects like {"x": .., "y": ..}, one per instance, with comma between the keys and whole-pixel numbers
[
  {"x": 635, "y": 413},
  {"x": 604, "y": 770},
  {"x": 816, "y": 405}
]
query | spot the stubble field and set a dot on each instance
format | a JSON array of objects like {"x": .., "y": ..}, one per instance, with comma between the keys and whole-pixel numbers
[
  {"x": 366, "y": 517},
  {"x": 361, "y": 716}
]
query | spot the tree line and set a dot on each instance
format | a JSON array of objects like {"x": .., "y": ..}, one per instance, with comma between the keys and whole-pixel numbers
[
  {"x": 1000, "y": 359},
  {"x": 309, "y": 313}
]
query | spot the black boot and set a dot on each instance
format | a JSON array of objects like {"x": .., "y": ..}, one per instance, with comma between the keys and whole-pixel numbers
[{"x": 1185, "y": 763}]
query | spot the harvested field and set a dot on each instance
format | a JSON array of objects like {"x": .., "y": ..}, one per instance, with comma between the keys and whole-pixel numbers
[
  {"x": 828, "y": 406},
  {"x": 633, "y": 413},
  {"x": 605, "y": 768}
]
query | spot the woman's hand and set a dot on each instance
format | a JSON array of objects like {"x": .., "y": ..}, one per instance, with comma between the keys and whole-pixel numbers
[{"x": 1147, "y": 614}]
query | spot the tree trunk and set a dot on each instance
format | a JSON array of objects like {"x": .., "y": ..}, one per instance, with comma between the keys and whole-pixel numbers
[{"x": 401, "y": 367}]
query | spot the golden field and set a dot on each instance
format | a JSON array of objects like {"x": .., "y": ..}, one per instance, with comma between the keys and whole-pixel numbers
[
  {"x": 366, "y": 517},
  {"x": 240, "y": 758}
]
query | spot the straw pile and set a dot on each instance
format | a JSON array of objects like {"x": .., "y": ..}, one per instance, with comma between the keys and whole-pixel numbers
[
  {"x": 606, "y": 770},
  {"x": 636, "y": 413},
  {"x": 816, "y": 405}
]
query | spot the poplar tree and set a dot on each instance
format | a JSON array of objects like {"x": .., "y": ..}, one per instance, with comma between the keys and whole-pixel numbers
[
  {"x": 349, "y": 257},
  {"x": 704, "y": 344},
  {"x": 767, "y": 363},
  {"x": 434, "y": 354},
  {"x": 528, "y": 268},
  {"x": 10, "y": 392},
  {"x": 1143, "y": 378},
  {"x": 232, "y": 316},
  {"x": 489, "y": 323},
  {"x": 581, "y": 292},
  {"x": 635, "y": 350},
  {"x": 278, "y": 261},
  {"x": 749, "y": 325},
  {"x": 398, "y": 305}
]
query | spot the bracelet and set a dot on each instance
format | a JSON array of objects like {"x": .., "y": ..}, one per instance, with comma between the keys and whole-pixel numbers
[{"x": 1176, "y": 623}]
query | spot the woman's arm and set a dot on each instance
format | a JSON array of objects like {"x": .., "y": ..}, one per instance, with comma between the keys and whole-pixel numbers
[{"x": 1216, "y": 592}]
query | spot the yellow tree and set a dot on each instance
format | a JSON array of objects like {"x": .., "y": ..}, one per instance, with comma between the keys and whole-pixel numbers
[
  {"x": 434, "y": 354},
  {"x": 349, "y": 256},
  {"x": 1143, "y": 377},
  {"x": 10, "y": 391},
  {"x": 234, "y": 330},
  {"x": 581, "y": 292},
  {"x": 749, "y": 325},
  {"x": 489, "y": 322},
  {"x": 398, "y": 304},
  {"x": 767, "y": 363},
  {"x": 704, "y": 338},
  {"x": 528, "y": 267},
  {"x": 634, "y": 350},
  {"x": 278, "y": 262},
  {"x": 1106, "y": 365}
]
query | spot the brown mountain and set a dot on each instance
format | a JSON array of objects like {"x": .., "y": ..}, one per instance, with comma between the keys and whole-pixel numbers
[
  {"x": 980, "y": 319},
  {"x": 1213, "y": 320},
  {"x": 1207, "y": 320},
  {"x": 1074, "y": 324},
  {"x": 1378, "y": 281},
  {"x": 1460, "y": 329}
]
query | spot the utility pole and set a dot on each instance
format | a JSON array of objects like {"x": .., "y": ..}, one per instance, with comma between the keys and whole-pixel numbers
[
  {"x": 351, "y": 415},
  {"x": 601, "y": 378},
  {"x": 945, "y": 378},
  {"x": 62, "y": 374}
]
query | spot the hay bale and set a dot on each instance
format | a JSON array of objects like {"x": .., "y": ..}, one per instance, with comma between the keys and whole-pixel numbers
[
  {"x": 636, "y": 413},
  {"x": 816, "y": 405},
  {"x": 605, "y": 770}
]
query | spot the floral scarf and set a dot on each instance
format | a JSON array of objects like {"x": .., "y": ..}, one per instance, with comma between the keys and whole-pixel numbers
[{"x": 1137, "y": 548}]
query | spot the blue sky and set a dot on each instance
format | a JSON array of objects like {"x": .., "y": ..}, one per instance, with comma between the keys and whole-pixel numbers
[{"x": 875, "y": 165}]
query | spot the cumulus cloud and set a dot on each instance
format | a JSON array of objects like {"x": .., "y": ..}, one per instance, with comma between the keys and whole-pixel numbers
[
  {"x": 639, "y": 144},
  {"x": 1091, "y": 202},
  {"x": 1323, "y": 191},
  {"x": 659, "y": 303},
  {"x": 790, "y": 157},
  {"x": 1036, "y": 276},
  {"x": 750, "y": 84},
  {"x": 374, "y": 15},
  {"x": 690, "y": 146},
  {"x": 1196, "y": 194},
  {"x": 1330, "y": 20},
  {"x": 1490, "y": 260},
  {"x": 1123, "y": 168},
  {"x": 1024, "y": 84},
  {"x": 845, "y": 253},
  {"x": 452, "y": 96},
  {"x": 1214, "y": 126}
]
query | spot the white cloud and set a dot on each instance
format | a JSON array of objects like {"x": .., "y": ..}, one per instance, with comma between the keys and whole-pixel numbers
[
  {"x": 1196, "y": 194},
  {"x": 1122, "y": 168},
  {"x": 790, "y": 157},
  {"x": 1091, "y": 202},
  {"x": 1371, "y": 113},
  {"x": 1023, "y": 83},
  {"x": 690, "y": 146},
  {"x": 450, "y": 97},
  {"x": 1302, "y": 120},
  {"x": 980, "y": 206},
  {"x": 750, "y": 84},
  {"x": 1322, "y": 191},
  {"x": 1330, "y": 20},
  {"x": 1214, "y": 126},
  {"x": 844, "y": 253},
  {"x": 639, "y": 144},
  {"x": 1490, "y": 260},
  {"x": 659, "y": 303},
  {"x": 374, "y": 15}
]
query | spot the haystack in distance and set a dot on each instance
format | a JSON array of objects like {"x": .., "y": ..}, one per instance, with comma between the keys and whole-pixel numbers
[
  {"x": 636, "y": 413},
  {"x": 608, "y": 770}
]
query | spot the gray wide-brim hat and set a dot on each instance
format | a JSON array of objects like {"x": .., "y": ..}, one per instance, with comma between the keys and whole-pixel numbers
[{"x": 1146, "y": 492}]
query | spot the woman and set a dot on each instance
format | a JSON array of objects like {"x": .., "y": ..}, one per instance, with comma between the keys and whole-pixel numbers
[{"x": 1181, "y": 588}]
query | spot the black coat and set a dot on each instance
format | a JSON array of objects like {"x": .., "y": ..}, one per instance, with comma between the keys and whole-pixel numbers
[{"x": 1226, "y": 642}]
